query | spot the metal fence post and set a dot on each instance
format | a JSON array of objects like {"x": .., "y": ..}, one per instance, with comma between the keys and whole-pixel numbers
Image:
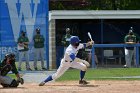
[
  {"x": 137, "y": 55},
  {"x": 93, "y": 61}
]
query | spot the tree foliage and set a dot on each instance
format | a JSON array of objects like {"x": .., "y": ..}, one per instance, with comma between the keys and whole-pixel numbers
[{"x": 94, "y": 5}]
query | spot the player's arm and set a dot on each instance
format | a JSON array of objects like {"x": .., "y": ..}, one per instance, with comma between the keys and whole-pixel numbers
[
  {"x": 26, "y": 43},
  {"x": 63, "y": 40},
  {"x": 14, "y": 70},
  {"x": 128, "y": 42},
  {"x": 74, "y": 58},
  {"x": 20, "y": 43},
  {"x": 90, "y": 43}
]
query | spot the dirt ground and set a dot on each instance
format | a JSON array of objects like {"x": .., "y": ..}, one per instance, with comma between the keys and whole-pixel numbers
[{"x": 74, "y": 87}]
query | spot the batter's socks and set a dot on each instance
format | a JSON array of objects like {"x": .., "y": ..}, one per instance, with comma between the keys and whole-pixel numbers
[
  {"x": 82, "y": 74},
  {"x": 48, "y": 79}
]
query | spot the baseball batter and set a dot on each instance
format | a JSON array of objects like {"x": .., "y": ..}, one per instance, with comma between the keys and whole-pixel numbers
[{"x": 70, "y": 60}]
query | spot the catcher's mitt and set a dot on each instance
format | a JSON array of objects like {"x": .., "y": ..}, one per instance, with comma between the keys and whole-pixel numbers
[
  {"x": 20, "y": 80},
  {"x": 4, "y": 70}
]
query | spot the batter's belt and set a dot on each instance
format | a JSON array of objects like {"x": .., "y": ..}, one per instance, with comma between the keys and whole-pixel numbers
[{"x": 68, "y": 61}]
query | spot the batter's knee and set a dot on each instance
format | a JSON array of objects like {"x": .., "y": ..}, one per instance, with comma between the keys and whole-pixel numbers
[
  {"x": 84, "y": 68},
  {"x": 54, "y": 76}
]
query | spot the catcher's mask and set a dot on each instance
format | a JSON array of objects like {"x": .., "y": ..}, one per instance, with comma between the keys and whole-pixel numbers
[{"x": 11, "y": 56}]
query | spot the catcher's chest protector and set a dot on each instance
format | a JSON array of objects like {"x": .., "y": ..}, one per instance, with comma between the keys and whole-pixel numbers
[{"x": 4, "y": 71}]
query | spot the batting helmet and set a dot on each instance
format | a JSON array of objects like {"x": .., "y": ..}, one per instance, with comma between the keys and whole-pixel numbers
[{"x": 74, "y": 40}]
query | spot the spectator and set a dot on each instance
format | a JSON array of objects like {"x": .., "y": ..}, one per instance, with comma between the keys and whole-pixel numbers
[
  {"x": 23, "y": 42},
  {"x": 129, "y": 51},
  {"x": 89, "y": 55},
  {"x": 90, "y": 58},
  {"x": 38, "y": 49},
  {"x": 66, "y": 38},
  {"x": 137, "y": 41}
]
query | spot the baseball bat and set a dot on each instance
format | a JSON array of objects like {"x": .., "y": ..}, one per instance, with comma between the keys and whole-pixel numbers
[{"x": 90, "y": 36}]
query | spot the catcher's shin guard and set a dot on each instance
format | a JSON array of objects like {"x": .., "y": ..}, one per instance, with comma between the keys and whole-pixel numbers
[
  {"x": 20, "y": 80},
  {"x": 14, "y": 83},
  {"x": 5, "y": 85}
]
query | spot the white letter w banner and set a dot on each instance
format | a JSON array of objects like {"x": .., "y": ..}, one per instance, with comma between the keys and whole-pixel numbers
[{"x": 18, "y": 15}]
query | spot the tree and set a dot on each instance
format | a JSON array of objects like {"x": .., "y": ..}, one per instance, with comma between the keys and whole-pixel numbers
[{"x": 95, "y": 5}]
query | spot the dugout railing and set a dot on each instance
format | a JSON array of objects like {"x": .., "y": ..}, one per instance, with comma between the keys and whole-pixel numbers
[{"x": 115, "y": 46}]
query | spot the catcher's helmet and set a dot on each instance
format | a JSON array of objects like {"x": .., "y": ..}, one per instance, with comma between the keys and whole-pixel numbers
[
  {"x": 74, "y": 40},
  {"x": 10, "y": 55}
]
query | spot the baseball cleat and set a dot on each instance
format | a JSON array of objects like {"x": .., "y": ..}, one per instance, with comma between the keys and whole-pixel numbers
[
  {"x": 83, "y": 82},
  {"x": 42, "y": 83},
  {"x": 125, "y": 66}
]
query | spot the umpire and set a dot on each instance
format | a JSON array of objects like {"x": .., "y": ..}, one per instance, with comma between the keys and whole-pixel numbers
[
  {"x": 8, "y": 64},
  {"x": 66, "y": 38},
  {"x": 38, "y": 49}
]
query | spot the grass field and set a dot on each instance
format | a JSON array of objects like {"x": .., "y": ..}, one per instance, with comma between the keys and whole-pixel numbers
[{"x": 101, "y": 74}]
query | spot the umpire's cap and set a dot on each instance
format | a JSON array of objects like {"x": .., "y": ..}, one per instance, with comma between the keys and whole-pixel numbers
[{"x": 74, "y": 40}]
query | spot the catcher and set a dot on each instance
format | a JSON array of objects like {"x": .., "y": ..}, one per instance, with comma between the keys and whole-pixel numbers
[{"x": 8, "y": 64}]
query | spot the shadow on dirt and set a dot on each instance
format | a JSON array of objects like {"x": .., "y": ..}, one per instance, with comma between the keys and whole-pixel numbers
[
  {"x": 88, "y": 85},
  {"x": 13, "y": 88},
  {"x": 77, "y": 85}
]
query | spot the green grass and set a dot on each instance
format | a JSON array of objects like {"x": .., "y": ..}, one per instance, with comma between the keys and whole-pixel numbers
[
  {"x": 102, "y": 74},
  {"x": 12, "y": 75}
]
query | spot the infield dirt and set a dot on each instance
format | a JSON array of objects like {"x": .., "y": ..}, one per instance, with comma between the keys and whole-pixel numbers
[{"x": 74, "y": 87}]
